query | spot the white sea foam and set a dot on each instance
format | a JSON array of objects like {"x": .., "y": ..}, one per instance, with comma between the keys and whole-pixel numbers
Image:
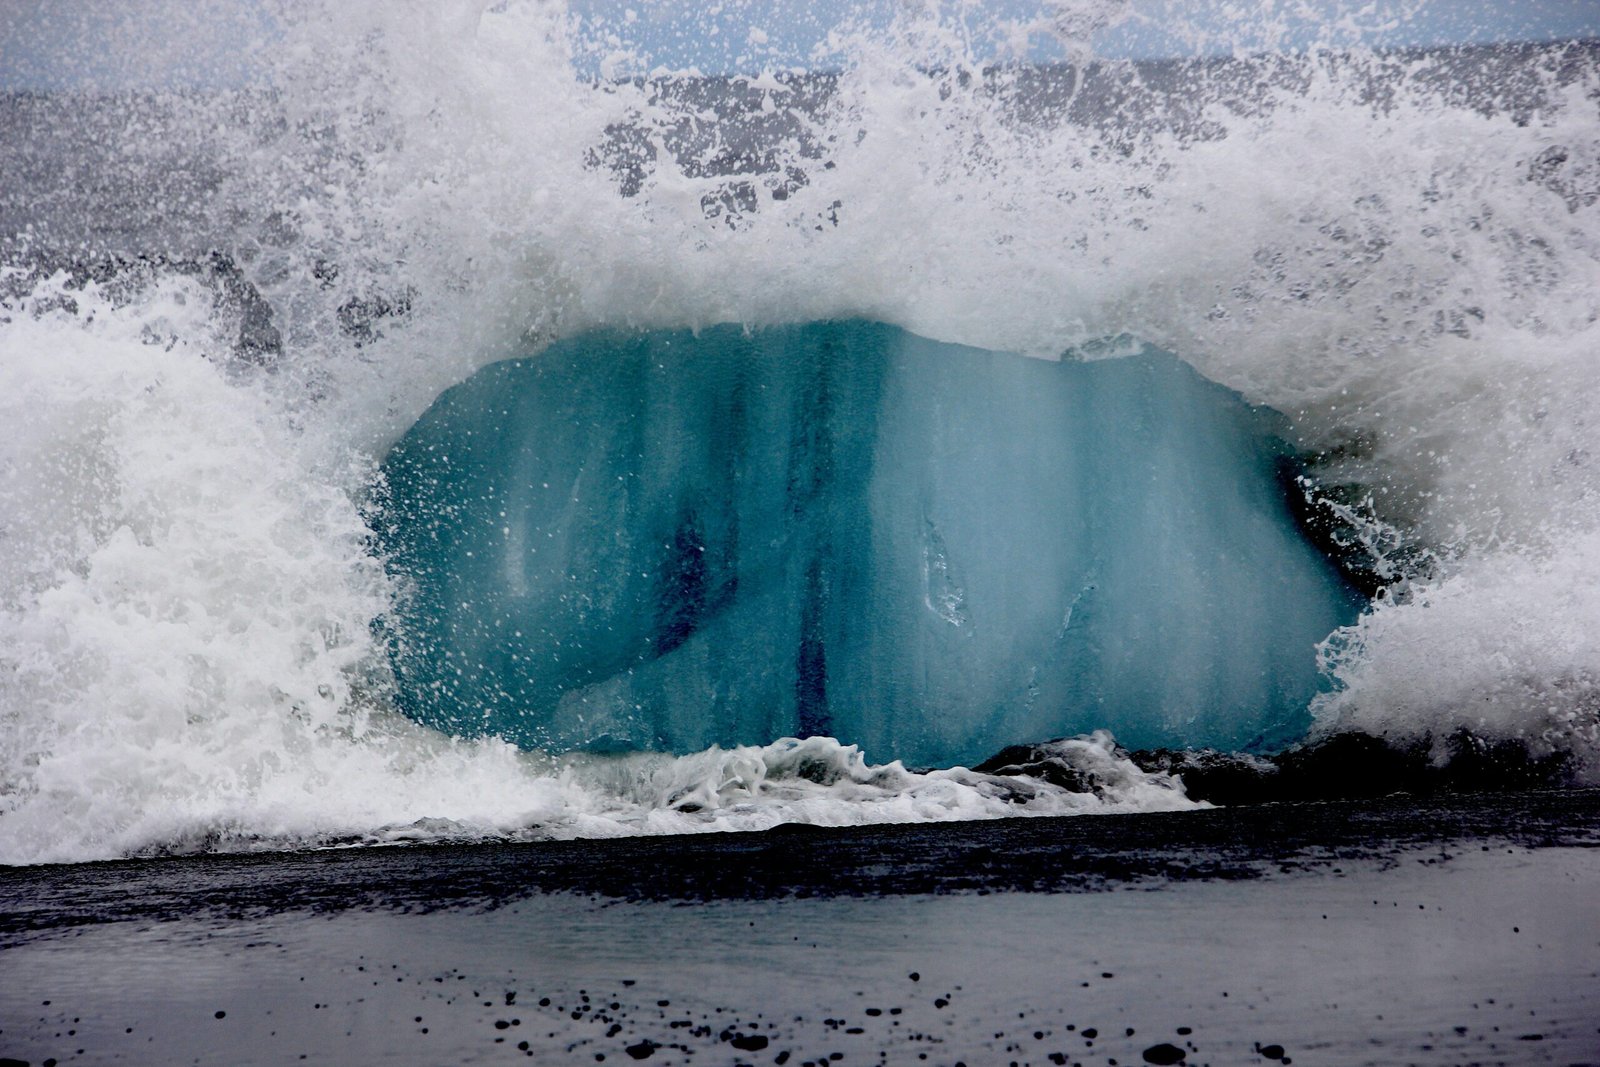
[{"x": 186, "y": 590}]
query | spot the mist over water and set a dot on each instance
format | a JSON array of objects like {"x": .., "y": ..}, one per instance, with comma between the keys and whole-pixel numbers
[{"x": 224, "y": 303}]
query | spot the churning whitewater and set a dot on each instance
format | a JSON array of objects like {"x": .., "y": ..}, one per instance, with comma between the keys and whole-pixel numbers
[{"x": 232, "y": 300}]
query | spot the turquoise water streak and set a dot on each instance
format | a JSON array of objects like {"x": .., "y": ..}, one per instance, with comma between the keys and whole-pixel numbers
[{"x": 669, "y": 540}]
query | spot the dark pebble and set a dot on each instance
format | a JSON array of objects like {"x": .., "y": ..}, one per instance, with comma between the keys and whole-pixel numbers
[
  {"x": 221, "y": 1014},
  {"x": 1164, "y": 1054},
  {"x": 749, "y": 1042},
  {"x": 1272, "y": 1052},
  {"x": 643, "y": 1050}
]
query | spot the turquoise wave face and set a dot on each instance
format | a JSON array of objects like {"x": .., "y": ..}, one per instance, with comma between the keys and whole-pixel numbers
[{"x": 669, "y": 540}]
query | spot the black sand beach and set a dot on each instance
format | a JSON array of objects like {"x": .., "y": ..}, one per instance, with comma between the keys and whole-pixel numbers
[{"x": 1457, "y": 930}]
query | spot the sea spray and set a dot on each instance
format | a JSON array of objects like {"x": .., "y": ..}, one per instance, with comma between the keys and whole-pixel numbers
[{"x": 1397, "y": 251}]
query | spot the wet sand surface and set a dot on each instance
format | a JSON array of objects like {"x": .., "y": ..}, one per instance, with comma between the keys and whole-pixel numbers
[{"x": 1453, "y": 931}]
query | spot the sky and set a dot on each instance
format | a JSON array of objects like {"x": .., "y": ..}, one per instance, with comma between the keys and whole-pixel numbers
[
  {"x": 717, "y": 36},
  {"x": 48, "y": 44}
]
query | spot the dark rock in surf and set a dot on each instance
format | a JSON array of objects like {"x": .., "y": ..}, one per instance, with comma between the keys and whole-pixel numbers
[
  {"x": 1043, "y": 762},
  {"x": 1226, "y": 778},
  {"x": 1345, "y": 766}
]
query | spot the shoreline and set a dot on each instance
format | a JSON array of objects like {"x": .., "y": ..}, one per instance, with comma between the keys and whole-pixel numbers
[{"x": 1458, "y": 929}]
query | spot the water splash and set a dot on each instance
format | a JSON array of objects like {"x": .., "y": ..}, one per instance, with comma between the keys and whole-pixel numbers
[{"x": 1400, "y": 252}]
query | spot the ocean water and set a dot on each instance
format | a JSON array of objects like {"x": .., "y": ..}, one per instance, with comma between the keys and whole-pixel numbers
[
  {"x": 677, "y": 540},
  {"x": 1233, "y": 401}
]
